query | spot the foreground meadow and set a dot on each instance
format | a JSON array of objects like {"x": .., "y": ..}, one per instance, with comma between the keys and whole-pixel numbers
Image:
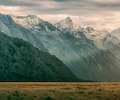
[{"x": 59, "y": 91}]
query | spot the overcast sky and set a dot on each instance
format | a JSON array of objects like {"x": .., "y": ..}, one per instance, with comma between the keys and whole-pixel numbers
[{"x": 99, "y": 14}]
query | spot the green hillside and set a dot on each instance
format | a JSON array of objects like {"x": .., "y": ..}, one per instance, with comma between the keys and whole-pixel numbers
[{"x": 20, "y": 61}]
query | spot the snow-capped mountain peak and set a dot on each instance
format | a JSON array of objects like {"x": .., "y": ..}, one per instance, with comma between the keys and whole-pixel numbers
[
  {"x": 31, "y": 22},
  {"x": 35, "y": 24},
  {"x": 66, "y": 23},
  {"x": 25, "y": 20}
]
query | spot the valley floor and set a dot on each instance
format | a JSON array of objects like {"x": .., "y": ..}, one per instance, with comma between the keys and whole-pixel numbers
[{"x": 59, "y": 91}]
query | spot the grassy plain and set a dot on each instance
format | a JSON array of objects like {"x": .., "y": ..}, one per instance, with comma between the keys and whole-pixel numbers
[{"x": 59, "y": 91}]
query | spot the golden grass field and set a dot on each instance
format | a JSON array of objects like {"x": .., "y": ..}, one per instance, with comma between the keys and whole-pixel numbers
[{"x": 59, "y": 91}]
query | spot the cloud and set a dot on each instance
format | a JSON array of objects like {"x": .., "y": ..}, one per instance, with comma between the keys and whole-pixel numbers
[
  {"x": 93, "y": 13},
  {"x": 71, "y": 7},
  {"x": 16, "y": 3}
]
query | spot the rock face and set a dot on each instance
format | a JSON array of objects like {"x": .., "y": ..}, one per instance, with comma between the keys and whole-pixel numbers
[
  {"x": 67, "y": 26},
  {"x": 20, "y": 61},
  {"x": 90, "y": 54},
  {"x": 9, "y": 27}
]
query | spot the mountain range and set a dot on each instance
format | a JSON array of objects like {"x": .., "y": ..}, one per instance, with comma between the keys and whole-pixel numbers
[{"x": 90, "y": 54}]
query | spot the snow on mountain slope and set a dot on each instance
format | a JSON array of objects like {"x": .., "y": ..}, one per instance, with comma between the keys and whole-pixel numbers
[
  {"x": 97, "y": 37},
  {"x": 29, "y": 22},
  {"x": 35, "y": 24},
  {"x": 67, "y": 25},
  {"x": 116, "y": 33},
  {"x": 97, "y": 34}
]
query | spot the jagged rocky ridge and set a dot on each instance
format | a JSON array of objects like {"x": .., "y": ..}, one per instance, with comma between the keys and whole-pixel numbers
[{"x": 89, "y": 53}]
